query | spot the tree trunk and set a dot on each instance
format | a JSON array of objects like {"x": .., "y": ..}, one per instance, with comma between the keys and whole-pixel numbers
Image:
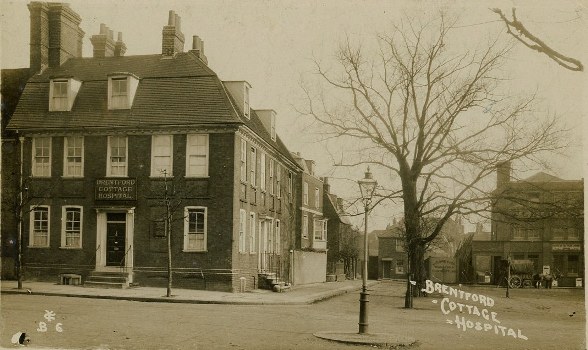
[
  {"x": 417, "y": 268},
  {"x": 169, "y": 256}
]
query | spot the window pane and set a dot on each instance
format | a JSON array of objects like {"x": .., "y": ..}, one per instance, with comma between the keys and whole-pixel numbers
[
  {"x": 42, "y": 158},
  {"x": 74, "y": 156},
  {"x": 118, "y": 157},
  {"x": 73, "y": 227},
  {"x": 40, "y": 227},
  {"x": 197, "y": 155},
  {"x": 196, "y": 232}
]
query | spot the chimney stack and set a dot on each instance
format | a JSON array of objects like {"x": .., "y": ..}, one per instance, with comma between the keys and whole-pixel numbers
[
  {"x": 65, "y": 34},
  {"x": 103, "y": 43},
  {"x": 119, "y": 47},
  {"x": 56, "y": 35},
  {"x": 39, "y": 40},
  {"x": 172, "y": 40},
  {"x": 340, "y": 203},
  {"x": 198, "y": 48},
  {"x": 503, "y": 174},
  {"x": 326, "y": 185}
]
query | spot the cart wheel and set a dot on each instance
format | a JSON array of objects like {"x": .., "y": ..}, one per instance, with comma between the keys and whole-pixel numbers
[
  {"x": 527, "y": 283},
  {"x": 515, "y": 282}
]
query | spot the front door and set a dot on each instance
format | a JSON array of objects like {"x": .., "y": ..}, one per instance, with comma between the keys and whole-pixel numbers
[
  {"x": 386, "y": 268},
  {"x": 115, "y": 239}
]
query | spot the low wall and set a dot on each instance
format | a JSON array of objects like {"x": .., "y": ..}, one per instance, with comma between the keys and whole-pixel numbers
[{"x": 309, "y": 267}]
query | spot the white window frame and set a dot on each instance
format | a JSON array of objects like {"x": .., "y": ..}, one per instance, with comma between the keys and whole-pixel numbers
[
  {"x": 120, "y": 96},
  {"x": 187, "y": 232},
  {"x": 246, "y": 108},
  {"x": 325, "y": 228},
  {"x": 271, "y": 176},
  {"x": 278, "y": 181},
  {"x": 67, "y": 163},
  {"x": 305, "y": 193},
  {"x": 304, "y": 226},
  {"x": 64, "y": 226},
  {"x": 518, "y": 234},
  {"x": 242, "y": 230},
  {"x": 262, "y": 173},
  {"x": 270, "y": 236},
  {"x": 573, "y": 234},
  {"x": 317, "y": 226},
  {"x": 317, "y": 200},
  {"x": 243, "y": 161},
  {"x": 252, "y": 224},
  {"x": 192, "y": 154},
  {"x": 32, "y": 226},
  {"x": 157, "y": 152},
  {"x": 273, "y": 126},
  {"x": 41, "y": 169},
  {"x": 399, "y": 245},
  {"x": 63, "y": 104},
  {"x": 109, "y": 162},
  {"x": 253, "y": 166}
]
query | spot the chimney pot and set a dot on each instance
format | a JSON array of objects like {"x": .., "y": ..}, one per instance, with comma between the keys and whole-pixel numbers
[
  {"x": 171, "y": 21},
  {"x": 103, "y": 28},
  {"x": 178, "y": 23},
  {"x": 110, "y": 34},
  {"x": 172, "y": 40},
  {"x": 119, "y": 37}
]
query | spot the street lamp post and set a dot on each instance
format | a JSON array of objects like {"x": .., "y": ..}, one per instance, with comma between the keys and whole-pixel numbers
[{"x": 367, "y": 185}]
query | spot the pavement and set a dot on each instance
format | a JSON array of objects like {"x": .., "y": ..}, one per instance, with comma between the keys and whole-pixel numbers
[{"x": 298, "y": 295}]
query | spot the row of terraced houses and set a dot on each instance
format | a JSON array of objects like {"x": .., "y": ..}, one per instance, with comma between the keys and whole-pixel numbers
[{"x": 98, "y": 151}]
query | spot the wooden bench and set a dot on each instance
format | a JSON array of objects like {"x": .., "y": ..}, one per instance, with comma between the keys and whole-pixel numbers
[{"x": 70, "y": 279}]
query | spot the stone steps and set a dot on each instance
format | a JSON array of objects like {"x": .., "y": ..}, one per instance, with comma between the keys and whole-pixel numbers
[{"x": 118, "y": 280}]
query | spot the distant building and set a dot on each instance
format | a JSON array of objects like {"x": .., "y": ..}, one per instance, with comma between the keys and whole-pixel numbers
[
  {"x": 440, "y": 261},
  {"x": 539, "y": 219},
  {"x": 392, "y": 255},
  {"x": 342, "y": 243}
]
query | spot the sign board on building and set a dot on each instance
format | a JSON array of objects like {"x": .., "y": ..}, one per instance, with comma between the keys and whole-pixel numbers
[
  {"x": 578, "y": 282},
  {"x": 546, "y": 269},
  {"x": 575, "y": 247},
  {"x": 116, "y": 189}
]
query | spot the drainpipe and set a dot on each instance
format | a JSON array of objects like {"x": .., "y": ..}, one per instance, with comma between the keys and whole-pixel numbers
[{"x": 20, "y": 213}]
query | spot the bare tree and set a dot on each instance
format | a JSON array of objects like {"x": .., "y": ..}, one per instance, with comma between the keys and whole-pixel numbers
[
  {"x": 518, "y": 30},
  {"x": 433, "y": 118}
]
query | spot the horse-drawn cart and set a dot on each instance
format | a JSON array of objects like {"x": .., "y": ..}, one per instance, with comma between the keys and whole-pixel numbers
[{"x": 521, "y": 273}]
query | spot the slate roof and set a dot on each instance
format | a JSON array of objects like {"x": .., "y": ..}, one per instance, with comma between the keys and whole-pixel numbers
[
  {"x": 172, "y": 91},
  {"x": 338, "y": 211},
  {"x": 542, "y": 177},
  {"x": 178, "y": 91}
]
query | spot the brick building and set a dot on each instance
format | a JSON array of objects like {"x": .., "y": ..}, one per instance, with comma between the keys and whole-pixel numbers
[
  {"x": 108, "y": 140},
  {"x": 342, "y": 243},
  {"x": 392, "y": 256},
  {"x": 310, "y": 255},
  {"x": 540, "y": 219}
]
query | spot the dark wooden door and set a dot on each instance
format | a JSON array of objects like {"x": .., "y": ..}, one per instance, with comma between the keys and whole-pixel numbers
[
  {"x": 386, "y": 269},
  {"x": 115, "y": 239}
]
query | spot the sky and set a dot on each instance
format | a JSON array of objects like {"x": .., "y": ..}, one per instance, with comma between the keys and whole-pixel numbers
[{"x": 272, "y": 45}]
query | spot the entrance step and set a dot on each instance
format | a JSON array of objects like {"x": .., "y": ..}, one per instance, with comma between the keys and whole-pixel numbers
[{"x": 98, "y": 279}]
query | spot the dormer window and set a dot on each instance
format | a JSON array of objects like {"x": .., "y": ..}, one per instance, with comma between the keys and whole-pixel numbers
[
  {"x": 246, "y": 110},
  {"x": 59, "y": 97},
  {"x": 62, "y": 93},
  {"x": 120, "y": 94},
  {"x": 239, "y": 90},
  {"x": 273, "y": 126},
  {"x": 121, "y": 91}
]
